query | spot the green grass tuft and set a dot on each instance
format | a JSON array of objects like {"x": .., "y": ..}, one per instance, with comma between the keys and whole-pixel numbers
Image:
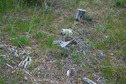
[
  {"x": 87, "y": 17},
  {"x": 2, "y": 80},
  {"x": 49, "y": 41},
  {"x": 120, "y": 3},
  {"x": 20, "y": 41},
  {"x": 2, "y": 6},
  {"x": 76, "y": 58},
  {"x": 108, "y": 72}
]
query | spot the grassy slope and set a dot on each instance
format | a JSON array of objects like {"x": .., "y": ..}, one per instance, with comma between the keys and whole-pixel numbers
[{"x": 107, "y": 32}]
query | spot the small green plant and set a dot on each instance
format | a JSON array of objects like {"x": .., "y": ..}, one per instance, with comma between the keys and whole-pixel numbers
[
  {"x": 20, "y": 41},
  {"x": 49, "y": 42},
  {"x": 2, "y": 6},
  {"x": 87, "y": 17},
  {"x": 39, "y": 34},
  {"x": 2, "y": 80},
  {"x": 42, "y": 3},
  {"x": 77, "y": 1},
  {"x": 120, "y": 3},
  {"x": 119, "y": 75},
  {"x": 87, "y": 40},
  {"x": 76, "y": 58},
  {"x": 47, "y": 10},
  {"x": 20, "y": 75},
  {"x": 72, "y": 48},
  {"x": 108, "y": 72},
  {"x": 31, "y": 2},
  {"x": 64, "y": 53}
]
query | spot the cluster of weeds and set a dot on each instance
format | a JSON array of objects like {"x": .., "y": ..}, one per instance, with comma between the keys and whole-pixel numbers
[
  {"x": 2, "y": 6},
  {"x": 108, "y": 72},
  {"x": 75, "y": 57},
  {"x": 2, "y": 80},
  {"x": 87, "y": 17},
  {"x": 77, "y": 1},
  {"x": 120, "y": 3},
  {"x": 39, "y": 34},
  {"x": 116, "y": 73},
  {"x": 27, "y": 3},
  {"x": 78, "y": 58},
  {"x": 49, "y": 42},
  {"x": 20, "y": 41},
  {"x": 39, "y": 3},
  {"x": 64, "y": 53}
]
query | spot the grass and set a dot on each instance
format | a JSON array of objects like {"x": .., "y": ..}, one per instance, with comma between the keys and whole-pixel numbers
[
  {"x": 76, "y": 58},
  {"x": 2, "y": 6},
  {"x": 20, "y": 41},
  {"x": 2, "y": 62},
  {"x": 108, "y": 72},
  {"x": 42, "y": 24},
  {"x": 39, "y": 34},
  {"x": 2, "y": 80},
  {"x": 49, "y": 42},
  {"x": 120, "y": 3},
  {"x": 64, "y": 53},
  {"x": 87, "y": 17}
]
